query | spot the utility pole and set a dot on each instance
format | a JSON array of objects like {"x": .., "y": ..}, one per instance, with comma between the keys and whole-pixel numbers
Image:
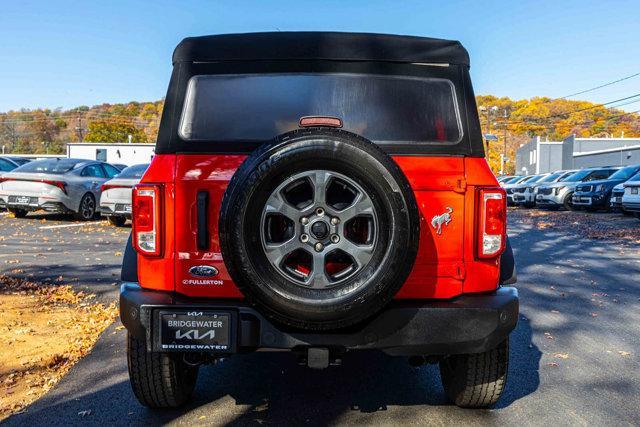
[
  {"x": 80, "y": 130},
  {"x": 503, "y": 160}
]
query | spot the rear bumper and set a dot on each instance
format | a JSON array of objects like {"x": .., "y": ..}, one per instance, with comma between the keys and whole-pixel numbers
[
  {"x": 110, "y": 209},
  {"x": 470, "y": 323},
  {"x": 49, "y": 204}
]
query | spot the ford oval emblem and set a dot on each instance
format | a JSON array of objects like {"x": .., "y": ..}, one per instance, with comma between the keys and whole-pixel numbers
[{"x": 203, "y": 271}]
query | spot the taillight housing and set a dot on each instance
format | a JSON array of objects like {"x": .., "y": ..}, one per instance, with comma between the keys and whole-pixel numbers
[
  {"x": 60, "y": 184},
  {"x": 105, "y": 187},
  {"x": 492, "y": 222},
  {"x": 146, "y": 214}
]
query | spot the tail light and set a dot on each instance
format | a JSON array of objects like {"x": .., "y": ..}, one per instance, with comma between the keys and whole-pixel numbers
[
  {"x": 147, "y": 219},
  {"x": 60, "y": 184},
  {"x": 106, "y": 187},
  {"x": 492, "y": 225}
]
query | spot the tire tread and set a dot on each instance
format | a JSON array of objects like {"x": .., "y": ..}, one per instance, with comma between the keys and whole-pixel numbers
[
  {"x": 158, "y": 380},
  {"x": 476, "y": 380}
]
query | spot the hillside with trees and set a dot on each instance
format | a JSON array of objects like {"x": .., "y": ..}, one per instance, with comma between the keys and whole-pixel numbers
[{"x": 46, "y": 131}]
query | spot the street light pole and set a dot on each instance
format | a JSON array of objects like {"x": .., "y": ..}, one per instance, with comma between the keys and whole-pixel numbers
[
  {"x": 503, "y": 162},
  {"x": 492, "y": 109}
]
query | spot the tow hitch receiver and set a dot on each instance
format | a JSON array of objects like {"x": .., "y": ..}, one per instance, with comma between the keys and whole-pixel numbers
[{"x": 318, "y": 358}]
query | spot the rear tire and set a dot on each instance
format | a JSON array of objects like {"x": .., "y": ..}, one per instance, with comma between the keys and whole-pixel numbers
[
  {"x": 476, "y": 380},
  {"x": 87, "y": 208},
  {"x": 159, "y": 380},
  {"x": 18, "y": 213},
  {"x": 118, "y": 221}
]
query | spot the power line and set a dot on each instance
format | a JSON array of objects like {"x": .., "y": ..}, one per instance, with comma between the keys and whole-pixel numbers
[
  {"x": 604, "y": 119},
  {"x": 578, "y": 111},
  {"x": 103, "y": 116},
  {"x": 599, "y": 87}
]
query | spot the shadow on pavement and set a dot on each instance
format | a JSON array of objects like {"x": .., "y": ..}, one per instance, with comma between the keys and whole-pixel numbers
[{"x": 272, "y": 388}]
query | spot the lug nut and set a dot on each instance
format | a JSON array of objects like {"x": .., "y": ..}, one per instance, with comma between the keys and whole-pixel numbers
[
  {"x": 335, "y": 220},
  {"x": 319, "y": 211},
  {"x": 304, "y": 238},
  {"x": 335, "y": 238},
  {"x": 304, "y": 220},
  {"x": 318, "y": 247}
]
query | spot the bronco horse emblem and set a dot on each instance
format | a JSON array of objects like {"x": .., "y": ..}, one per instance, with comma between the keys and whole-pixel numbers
[{"x": 439, "y": 220}]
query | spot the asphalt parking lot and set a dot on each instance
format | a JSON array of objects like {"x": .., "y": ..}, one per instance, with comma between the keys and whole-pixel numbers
[{"x": 574, "y": 354}]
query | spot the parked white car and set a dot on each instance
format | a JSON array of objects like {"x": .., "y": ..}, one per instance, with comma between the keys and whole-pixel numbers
[
  {"x": 115, "y": 199},
  {"x": 55, "y": 185},
  {"x": 525, "y": 194},
  {"x": 511, "y": 184},
  {"x": 631, "y": 196}
]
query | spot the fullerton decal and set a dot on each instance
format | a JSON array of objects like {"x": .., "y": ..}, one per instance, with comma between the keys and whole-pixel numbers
[{"x": 207, "y": 282}]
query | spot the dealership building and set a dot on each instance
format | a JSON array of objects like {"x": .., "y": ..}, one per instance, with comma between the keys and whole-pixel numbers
[
  {"x": 117, "y": 153},
  {"x": 538, "y": 156}
]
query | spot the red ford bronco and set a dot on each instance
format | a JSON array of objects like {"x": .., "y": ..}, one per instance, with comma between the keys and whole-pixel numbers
[{"x": 319, "y": 193}]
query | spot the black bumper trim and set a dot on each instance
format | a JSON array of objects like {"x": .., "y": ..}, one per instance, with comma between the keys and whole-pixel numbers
[{"x": 471, "y": 323}]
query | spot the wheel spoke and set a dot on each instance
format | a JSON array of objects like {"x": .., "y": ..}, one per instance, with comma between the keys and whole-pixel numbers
[
  {"x": 277, "y": 252},
  {"x": 362, "y": 205},
  {"x": 277, "y": 204},
  {"x": 318, "y": 278},
  {"x": 360, "y": 253},
  {"x": 319, "y": 180}
]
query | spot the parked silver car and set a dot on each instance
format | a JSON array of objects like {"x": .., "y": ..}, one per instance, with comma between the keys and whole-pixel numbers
[
  {"x": 559, "y": 194},
  {"x": 525, "y": 194},
  {"x": 115, "y": 200},
  {"x": 55, "y": 185}
]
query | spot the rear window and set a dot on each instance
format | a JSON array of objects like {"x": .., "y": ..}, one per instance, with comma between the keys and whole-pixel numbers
[
  {"x": 135, "y": 171},
  {"x": 381, "y": 108},
  {"x": 55, "y": 166}
]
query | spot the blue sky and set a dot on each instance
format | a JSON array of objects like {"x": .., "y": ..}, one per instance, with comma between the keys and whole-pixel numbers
[{"x": 70, "y": 53}]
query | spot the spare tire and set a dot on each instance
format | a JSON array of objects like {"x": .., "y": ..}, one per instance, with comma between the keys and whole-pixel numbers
[{"x": 319, "y": 229}]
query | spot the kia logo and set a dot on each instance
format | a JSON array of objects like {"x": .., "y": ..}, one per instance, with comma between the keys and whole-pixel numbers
[{"x": 203, "y": 271}]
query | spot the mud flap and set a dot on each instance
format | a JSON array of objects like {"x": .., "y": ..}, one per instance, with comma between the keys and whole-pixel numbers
[{"x": 508, "y": 275}]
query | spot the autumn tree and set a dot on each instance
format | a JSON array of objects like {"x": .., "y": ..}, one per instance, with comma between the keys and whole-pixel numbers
[{"x": 114, "y": 131}]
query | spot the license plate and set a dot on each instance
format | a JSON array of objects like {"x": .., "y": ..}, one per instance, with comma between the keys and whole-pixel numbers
[
  {"x": 195, "y": 331},
  {"x": 122, "y": 208},
  {"x": 23, "y": 200},
  {"x": 634, "y": 190}
]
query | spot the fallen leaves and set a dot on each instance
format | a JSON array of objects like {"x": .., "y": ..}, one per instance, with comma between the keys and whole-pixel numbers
[
  {"x": 45, "y": 329},
  {"x": 588, "y": 225}
]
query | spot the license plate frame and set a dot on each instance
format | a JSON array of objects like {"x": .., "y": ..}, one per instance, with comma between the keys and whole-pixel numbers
[
  {"x": 21, "y": 200},
  {"x": 195, "y": 337},
  {"x": 122, "y": 208}
]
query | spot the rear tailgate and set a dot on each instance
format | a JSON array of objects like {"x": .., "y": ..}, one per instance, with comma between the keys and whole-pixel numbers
[{"x": 207, "y": 177}]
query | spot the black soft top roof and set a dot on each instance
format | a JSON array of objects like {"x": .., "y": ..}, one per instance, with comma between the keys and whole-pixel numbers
[{"x": 320, "y": 46}]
